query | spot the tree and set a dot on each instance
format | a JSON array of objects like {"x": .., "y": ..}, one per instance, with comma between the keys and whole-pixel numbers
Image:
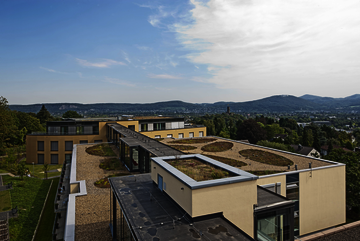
[
  {"x": 352, "y": 161},
  {"x": 43, "y": 115},
  {"x": 8, "y": 129},
  {"x": 71, "y": 114},
  {"x": 251, "y": 130},
  {"x": 28, "y": 121},
  {"x": 46, "y": 168},
  {"x": 21, "y": 169},
  {"x": 273, "y": 129},
  {"x": 276, "y": 145}
]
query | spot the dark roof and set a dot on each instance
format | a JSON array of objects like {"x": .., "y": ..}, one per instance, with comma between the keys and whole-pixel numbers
[
  {"x": 266, "y": 198},
  {"x": 133, "y": 138},
  {"x": 153, "y": 215},
  {"x": 303, "y": 150}
]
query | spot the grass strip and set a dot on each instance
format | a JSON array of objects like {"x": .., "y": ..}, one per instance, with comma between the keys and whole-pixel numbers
[
  {"x": 37, "y": 170},
  {"x": 5, "y": 201},
  {"x": 44, "y": 231},
  {"x": 28, "y": 196}
]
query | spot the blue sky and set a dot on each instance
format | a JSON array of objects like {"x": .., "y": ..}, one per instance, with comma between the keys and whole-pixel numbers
[{"x": 195, "y": 51}]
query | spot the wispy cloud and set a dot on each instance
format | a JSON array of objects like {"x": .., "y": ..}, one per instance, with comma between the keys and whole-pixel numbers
[
  {"x": 259, "y": 45},
  {"x": 104, "y": 64},
  {"x": 118, "y": 82},
  {"x": 126, "y": 57},
  {"x": 163, "y": 76},
  {"x": 53, "y": 71}
]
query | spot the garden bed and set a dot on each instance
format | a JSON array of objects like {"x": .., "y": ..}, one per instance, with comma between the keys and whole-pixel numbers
[
  {"x": 264, "y": 172},
  {"x": 198, "y": 170},
  {"x": 218, "y": 146},
  {"x": 100, "y": 150},
  {"x": 193, "y": 141},
  {"x": 228, "y": 161},
  {"x": 183, "y": 147},
  {"x": 112, "y": 164},
  {"x": 266, "y": 157}
]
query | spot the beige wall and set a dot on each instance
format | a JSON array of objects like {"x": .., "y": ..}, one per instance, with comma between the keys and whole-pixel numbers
[
  {"x": 272, "y": 180},
  {"x": 175, "y": 132},
  {"x": 234, "y": 200},
  {"x": 322, "y": 199},
  {"x": 173, "y": 187}
]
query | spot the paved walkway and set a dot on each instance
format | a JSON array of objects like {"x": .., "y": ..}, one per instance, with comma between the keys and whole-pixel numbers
[{"x": 92, "y": 216}]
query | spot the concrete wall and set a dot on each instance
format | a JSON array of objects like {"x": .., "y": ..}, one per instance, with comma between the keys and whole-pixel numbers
[
  {"x": 234, "y": 200},
  {"x": 173, "y": 187},
  {"x": 272, "y": 180},
  {"x": 175, "y": 132},
  {"x": 322, "y": 199}
]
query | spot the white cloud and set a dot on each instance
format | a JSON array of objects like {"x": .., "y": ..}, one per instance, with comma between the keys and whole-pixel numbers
[
  {"x": 53, "y": 71},
  {"x": 126, "y": 57},
  {"x": 104, "y": 64},
  {"x": 262, "y": 45},
  {"x": 118, "y": 82},
  {"x": 163, "y": 76}
]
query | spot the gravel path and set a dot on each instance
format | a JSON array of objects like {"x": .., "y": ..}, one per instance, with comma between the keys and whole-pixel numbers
[{"x": 92, "y": 216}]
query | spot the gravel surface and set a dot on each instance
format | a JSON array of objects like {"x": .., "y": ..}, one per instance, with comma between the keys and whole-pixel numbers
[{"x": 92, "y": 216}]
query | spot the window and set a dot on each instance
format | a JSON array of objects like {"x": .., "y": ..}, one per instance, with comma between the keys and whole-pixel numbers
[
  {"x": 40, "y": 159},
  {"x": 159, "y": 126},
  {"x": 54, "y": 145},
  {"x": 158, "y": 136},
  {"x": 201, "y": 133},
  {"x": 95, "y": 130},
  {"x": 98, "y": 141},
  {"x": 144, "y": 127},
  {"x": 83, "y": 142},
  {"x": 131, "y": 127},
  {"x": 40, "y": 146},
  {"x": 68, "y": 145},
  {"x": 181, "y": 135},
  {"x": 292, "y": 191},
  {"x": 169, "y": 135},
  {"x": 79, "y": 130},
  {"x": 64, "y": 130},
  {"x": 68, "y": 158},
  {"x": 191, "y": 134},
  {"x": 54, "y": 159}
]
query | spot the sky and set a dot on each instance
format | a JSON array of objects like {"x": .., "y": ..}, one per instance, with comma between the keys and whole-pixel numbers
[{"x": 122, "y": 51}]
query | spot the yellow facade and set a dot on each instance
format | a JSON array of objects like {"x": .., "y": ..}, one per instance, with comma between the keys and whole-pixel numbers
[
  {"x": 234, "y": 200},
  {"x": 273, "y": 180},
  {"x": 175, "y": 132},
  {"x": 322, "y": 199},
  {"x": 32, "y": 140}
]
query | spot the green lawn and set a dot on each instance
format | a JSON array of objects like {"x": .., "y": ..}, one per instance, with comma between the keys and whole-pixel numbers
[
  {"x": 47, "y": 220},
  {"x": 38, "y": 169},
  {"x": 29, "y": 196},
  {"x": 5, "y": 201},
  {"x": 3, "y": 171}
]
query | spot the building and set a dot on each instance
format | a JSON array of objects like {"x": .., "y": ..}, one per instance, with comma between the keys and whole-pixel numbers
[
  {"x": 306, "y": 150},
  {"x": 55, "y": 146}
]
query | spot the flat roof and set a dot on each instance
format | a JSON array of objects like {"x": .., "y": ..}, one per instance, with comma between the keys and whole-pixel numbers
[
  {"x": 301, "y": 161},
  {"x": 241, "y": 176},
  {"x": 133, "y": 139},
  {"x": 153, "y": 215}
]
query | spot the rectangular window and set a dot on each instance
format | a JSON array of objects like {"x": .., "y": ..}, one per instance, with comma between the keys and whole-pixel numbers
[
  {"x": 191, "y": 134},
  {"x": 64, "y": 130},
  {"x": 79, "y": 130},
  {"x": 169, "y": 135},
  {"x": 158, "y": 136},
  {"x": 98, "y": 141},
  {"x": 68, "y": 145},
  {"x": 201, "y": 133},
  {"x": 83, "y": 142},
  {"x": 159, "y": 126},
  {"x": 40, "y": 146},
  {"x": 40, "y": 159},
  {"x": 131, "y": 127},
  {"x": 96, "y": 130},
  {"x": 68, "y": 158},
  {"x": 54, "y": 146},
  {"x": 292, "y": 191},
  {"x": 144, "y": 127},
  {"x": 54, "y": 159},
  {"x": 181, "y": 135}
]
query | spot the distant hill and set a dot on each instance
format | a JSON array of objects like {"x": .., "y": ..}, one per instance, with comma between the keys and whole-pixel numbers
[{"x": 277, "y": 103}]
